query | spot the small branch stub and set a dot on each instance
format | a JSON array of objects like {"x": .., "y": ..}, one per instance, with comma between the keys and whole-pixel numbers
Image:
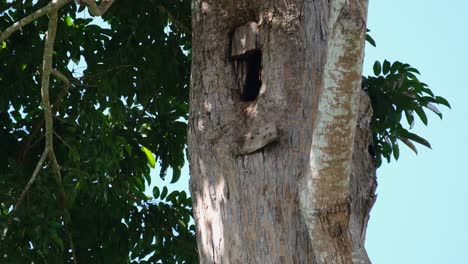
[
  {"x": 247, "y": 58},
  {"x": 257, "y": 139}
]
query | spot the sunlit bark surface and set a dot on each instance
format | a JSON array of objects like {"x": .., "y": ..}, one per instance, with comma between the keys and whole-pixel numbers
[{"x": 285, "y": 178}]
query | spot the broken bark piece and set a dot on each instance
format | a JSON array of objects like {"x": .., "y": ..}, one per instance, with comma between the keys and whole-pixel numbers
[{"x": 255, "y": 140}]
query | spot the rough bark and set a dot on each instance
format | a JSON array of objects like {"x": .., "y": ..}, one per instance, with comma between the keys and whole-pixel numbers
[{"x": 278, "y": 179}]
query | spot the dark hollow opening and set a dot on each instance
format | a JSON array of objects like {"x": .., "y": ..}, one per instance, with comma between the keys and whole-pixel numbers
[{"x": 253, "y": 78}]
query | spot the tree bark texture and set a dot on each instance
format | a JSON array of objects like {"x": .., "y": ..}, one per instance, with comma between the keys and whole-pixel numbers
[{"x": 287, "y": 177}]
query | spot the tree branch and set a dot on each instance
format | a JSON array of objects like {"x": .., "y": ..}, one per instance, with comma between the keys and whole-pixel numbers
[
  {"x": 96, "y": 10},
  {"x": 48, "y": 118},
  {"x": 46, "y": 70},
  {"x": 53, "y": 5},
  {"x": 61, "y": 96},
  {"x": 27, "y": 143},
  {"x": 32, "y": 180}
]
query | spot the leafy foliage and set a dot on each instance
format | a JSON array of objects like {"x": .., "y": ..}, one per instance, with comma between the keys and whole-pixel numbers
[
  {"x": 395, "y": 91},
  {"x": 124, "y": 112}
]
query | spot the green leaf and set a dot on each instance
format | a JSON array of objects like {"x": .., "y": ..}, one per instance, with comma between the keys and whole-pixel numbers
[
  {"x": 386, "y": 67},
  {"x": 426, "y": 90},
  {"x": 409, "y": 144},
  {"x": 3, "y": 45},
  {"x": 370, "y": 40},
  {"x": 68, "y": 21},
  {"x": 411, "y": 76},
  {"x": 416, "y": 138},
  {"x": 434, "y": 109},
  {"x": 181, "y": 223},
  {"x": 172, "y": 197},
  {"x": 421, "y": 114},
  {"x": 395, "y": 67},
  {"x": 396, "y": 151},
  {"x": 147, "y": 177},
  {"x": 149, "y": 156},
  {"x": 128, "y": 149},
  {"x": 175, "y": 175},
  {"x": 413, "y": 70},
  {"x": 156, "y": 192},
  {"x": 387, "y": 140},
  {"x": 377, "y": 68},
  {"x": 409, "y": 118},
  {"x": 443, "y": 101},
  {"x": 82, "y": 8},
  {"x": 163, "y": 193}
]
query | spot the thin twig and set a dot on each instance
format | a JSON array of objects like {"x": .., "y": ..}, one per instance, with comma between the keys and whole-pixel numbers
[
  {"x": 53, "y": 5},
  {"x": 63, "y": 203},
  {"x": 26, "y": 146},
  {"x": 96, "y": 10},
  {"x": 64, "y": 93},
  {"x": 76, "y": 171},
  {"x": 61, "y": 139},
  {"x": 112, "y": 70},
  {"x": 32, "y": 180}
]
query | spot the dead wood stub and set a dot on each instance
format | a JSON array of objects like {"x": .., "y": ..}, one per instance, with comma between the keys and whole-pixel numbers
[{"x": 257, "y": 138}]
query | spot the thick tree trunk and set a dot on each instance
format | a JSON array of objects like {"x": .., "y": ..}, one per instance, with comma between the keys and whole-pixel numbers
[{"x": 278, "y": 179}]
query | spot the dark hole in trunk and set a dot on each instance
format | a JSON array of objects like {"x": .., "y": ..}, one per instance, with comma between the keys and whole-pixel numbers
[{"x": 253, "y": 75}]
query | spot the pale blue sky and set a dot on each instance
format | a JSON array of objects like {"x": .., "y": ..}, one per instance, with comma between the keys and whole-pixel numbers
[{"x": 421, "y": 213}]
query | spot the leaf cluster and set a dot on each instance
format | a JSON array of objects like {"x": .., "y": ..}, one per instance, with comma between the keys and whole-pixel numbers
[
  {"x": 395, "y": 91},
  {"x": 128, "y": 102}
]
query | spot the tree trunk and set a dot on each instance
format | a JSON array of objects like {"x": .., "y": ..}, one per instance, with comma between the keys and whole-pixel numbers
[{"x": 282, "y": 175}]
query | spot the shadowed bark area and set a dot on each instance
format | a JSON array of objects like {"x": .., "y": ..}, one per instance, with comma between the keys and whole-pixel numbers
[{"x": 250, "y": 161}]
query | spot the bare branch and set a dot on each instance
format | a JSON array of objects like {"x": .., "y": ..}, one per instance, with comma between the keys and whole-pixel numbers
[
  {"x": 61, "y": 139},
  {"x": 32, "y": 180},
  {"x": 61, "y": 96},
  {"x": 53, "y": 5},
  {"x": 46, "y": 70},
  {"x": 96, "y": 10},
  {"x": 27, "y": 143},
  {"x": 63, "y": 202},
  {"x": 48, "y": 117},
  {"x": 61, "y": 77}
]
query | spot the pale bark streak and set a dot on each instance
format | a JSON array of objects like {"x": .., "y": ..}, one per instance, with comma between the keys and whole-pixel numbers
[
  {"x": 330, "y": 159},
  {"x": 325, "y": 201},
  {"x": 46, "y": 70}
]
